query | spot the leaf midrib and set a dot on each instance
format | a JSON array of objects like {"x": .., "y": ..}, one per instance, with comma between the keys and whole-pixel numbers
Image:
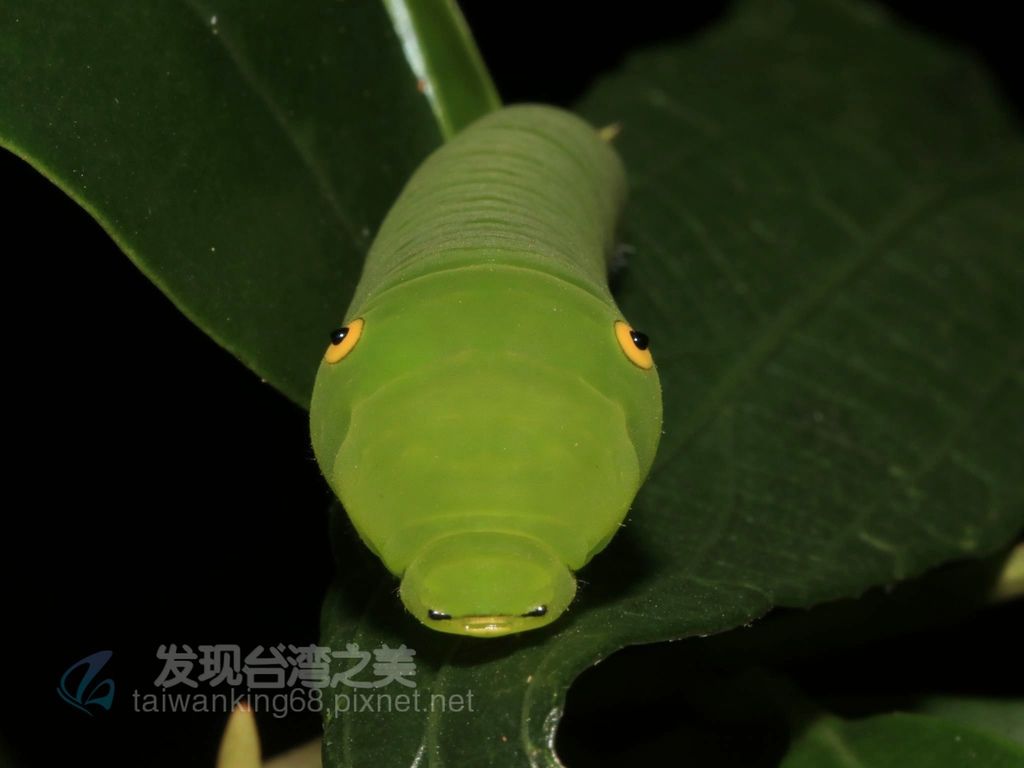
[{"x": 310, "y": 164}]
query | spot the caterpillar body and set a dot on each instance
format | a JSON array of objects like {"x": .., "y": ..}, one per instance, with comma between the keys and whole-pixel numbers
[{"x": 485, "y": 414}]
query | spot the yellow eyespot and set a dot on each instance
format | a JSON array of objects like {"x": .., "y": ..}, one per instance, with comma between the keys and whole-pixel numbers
[
  {"x": 634, "y": 344},
  {"x": 343, "y": 340}
]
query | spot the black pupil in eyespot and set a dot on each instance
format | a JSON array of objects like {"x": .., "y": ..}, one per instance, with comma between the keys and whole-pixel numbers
[
  {"x": 640, "y": 340},
  {"x": 338, "y": 335},
  {"x": 437, "y": 615},
  {"x": 540, "y": 610}
]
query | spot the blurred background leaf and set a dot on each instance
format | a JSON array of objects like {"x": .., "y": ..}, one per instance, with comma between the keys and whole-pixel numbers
[
  {"x": 1001, "y": 716},
  {"x": 901, "y": 740}
]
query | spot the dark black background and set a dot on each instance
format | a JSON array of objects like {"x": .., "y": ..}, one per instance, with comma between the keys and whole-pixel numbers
[{"x": 156, "y": 492}]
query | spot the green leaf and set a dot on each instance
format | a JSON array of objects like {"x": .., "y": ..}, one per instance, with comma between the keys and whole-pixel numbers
[
  {"x": 443, "y": 55},
  {"x": 1002, "y": 716},
  {"x": 826, "y": 218},
  {"x": 242, "y": 154},
  {"x": 900, "y": 741},
  {"x": 933, "y": 602}
]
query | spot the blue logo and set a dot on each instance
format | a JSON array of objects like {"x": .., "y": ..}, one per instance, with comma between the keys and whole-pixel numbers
[{"x": 85, "y": 694}]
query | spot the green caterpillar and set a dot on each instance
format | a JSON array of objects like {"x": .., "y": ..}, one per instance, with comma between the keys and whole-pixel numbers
[{"x": 486, "y": 415}]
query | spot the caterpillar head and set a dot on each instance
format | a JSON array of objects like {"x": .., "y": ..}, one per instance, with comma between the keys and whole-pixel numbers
[
  {"x": 487, "y": 584},
  {"x": 486, "y": 432}
]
